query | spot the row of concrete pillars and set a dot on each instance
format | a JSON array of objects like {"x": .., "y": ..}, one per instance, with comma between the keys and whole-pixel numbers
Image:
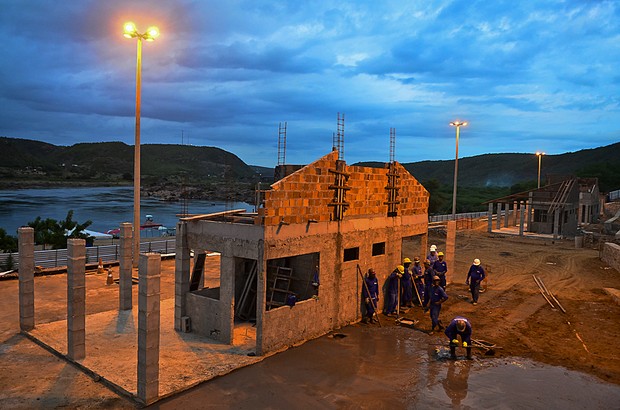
[
  {"x": 519, "y": 208},
  {"x": 149, "y": 274}
]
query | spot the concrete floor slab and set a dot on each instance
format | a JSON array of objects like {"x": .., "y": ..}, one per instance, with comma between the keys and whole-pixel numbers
[{"x": 185, "y": 359}]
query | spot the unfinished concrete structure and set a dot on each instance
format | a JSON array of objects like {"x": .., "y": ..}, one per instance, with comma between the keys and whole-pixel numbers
[
  {"x": 557, "y": 208},
  {"x": 314, "y": 229}
]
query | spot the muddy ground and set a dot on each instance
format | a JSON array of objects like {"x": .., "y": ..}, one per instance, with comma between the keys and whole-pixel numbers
[{"x": 511, "y": 313}]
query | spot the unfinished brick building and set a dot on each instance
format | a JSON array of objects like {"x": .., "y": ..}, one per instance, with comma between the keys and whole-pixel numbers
[{"x": 315, "y": 227}]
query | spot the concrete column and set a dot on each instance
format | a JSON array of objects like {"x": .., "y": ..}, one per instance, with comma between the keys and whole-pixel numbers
[
  {"x": 149, "y": 274},
  {"x": 451, "y": 250},
  {"x": 515, "y": 214},
  {"x": 530, "y": 213},
  {"x": 521, "y": 217},
  {"x": 125, "y": 267},
  {"x": 506, "y": 214},
  {"x": 227, "y": 298},
  {"x": 261, "y": 291},
  {"x": 556, "y": 223},
  {"x": 25, "y": 236},
  {"x": 490, "y": 219},
  {"x": 498, "y": 220},
  {"x": 181, "y": 274},
  {"x": 76, "y": 299}
]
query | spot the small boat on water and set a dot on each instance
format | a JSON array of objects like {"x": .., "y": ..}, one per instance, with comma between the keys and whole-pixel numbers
[{"x": 149, "y": 224}]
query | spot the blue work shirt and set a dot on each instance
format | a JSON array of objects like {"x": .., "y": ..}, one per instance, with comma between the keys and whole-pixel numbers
[
  {"x": 441, "y": 267},
  {"x": 451, "y": 331},
  {"x": 373, "y": 288},
  {"x": 437, "y": 293},
  {"x": 476, "y": 273}
]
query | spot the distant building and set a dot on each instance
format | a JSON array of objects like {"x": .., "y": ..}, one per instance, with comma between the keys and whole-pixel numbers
[{"x": 557, "y": 208}]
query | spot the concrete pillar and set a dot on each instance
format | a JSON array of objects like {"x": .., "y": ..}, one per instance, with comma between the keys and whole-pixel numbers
[
  {"x": 125, "y": 267},
  {"x": 227, "y": 298},
  {"x": 261, "y": 291},
  {"x": 451, "y": 250},
  {"x": 522, "y": 209},
  {"x": 25, "y": 237},
  {"x": 76, "y": 299},
  {"x": 490, "y": 218},
  {"x": 530, "y": 213},
  {"x": 556, "y": 223},
  {"x": 498, "y": 221},
  {"x": 506, "y": 214},
  {"x": 149, "y": 274},
  {"x": 515, "y": 214},
  {"x": 181, "y": 274}
]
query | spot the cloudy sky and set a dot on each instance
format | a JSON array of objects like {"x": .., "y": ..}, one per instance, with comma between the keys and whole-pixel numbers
[{"x": 526, "y": 75}]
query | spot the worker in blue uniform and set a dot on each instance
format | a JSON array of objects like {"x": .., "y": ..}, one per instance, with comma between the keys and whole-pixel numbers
[
  {"x": 432, "y": 254},
  {"x": 459, "y": 326},
  {"x": 429, "y": 273},
  {"x": 406, "y": 285},
  {"x": 475, "y": 275},
  {"x": 418, "y": 278},
  {"x": 370, "y": 294},
  {"x": 441, "y": 269},
  {"x": 392, "y": 291},
  {"x": 436, "y": 298}
]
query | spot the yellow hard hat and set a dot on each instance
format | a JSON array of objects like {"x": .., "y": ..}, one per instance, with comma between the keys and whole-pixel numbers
[
  {"x": 440, "y": 254},
  {"x": 406, "y": 260},
  {"x": 401, "y": 268},
  {"x": 464, "y": 344}
]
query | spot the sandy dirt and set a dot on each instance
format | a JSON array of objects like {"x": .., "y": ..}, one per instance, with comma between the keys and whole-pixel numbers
[{"x": 511, "y": 314}]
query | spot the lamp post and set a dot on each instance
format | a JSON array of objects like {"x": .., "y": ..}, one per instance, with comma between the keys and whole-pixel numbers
[
  {"x": 539, "y": 155},
  {"x": 458, "y": 125},
  {"x": 130, "y": 31}
]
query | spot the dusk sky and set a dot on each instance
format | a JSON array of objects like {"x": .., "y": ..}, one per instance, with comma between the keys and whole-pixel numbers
[{"x": 526, "y": 75}]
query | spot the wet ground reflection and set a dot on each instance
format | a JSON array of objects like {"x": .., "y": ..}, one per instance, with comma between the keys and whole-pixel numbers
[{"x": 394, "y": 367}]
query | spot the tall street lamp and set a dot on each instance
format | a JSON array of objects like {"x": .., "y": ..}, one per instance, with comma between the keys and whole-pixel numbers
[
  {"x": 539, "y": 155},
  {"x": 151, "y": 34},
  {"x": 458, "y": 125}
]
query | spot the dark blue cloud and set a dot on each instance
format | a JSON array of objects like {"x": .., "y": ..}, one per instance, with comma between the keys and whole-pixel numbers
[{"x": 527, "y": 75}]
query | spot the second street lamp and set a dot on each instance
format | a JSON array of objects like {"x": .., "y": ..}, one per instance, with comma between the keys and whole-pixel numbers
[
  {"x": 130, "y": 31},
  {"x": 458, "y": 125},
  {"x": 539, "y": 155}
]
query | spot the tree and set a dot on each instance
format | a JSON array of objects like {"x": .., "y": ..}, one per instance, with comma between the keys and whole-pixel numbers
[
  {"x": 8, "y": 243},
  {"x": 54, "y": 233}
]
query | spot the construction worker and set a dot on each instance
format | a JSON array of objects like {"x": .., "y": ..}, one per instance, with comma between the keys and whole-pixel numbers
[
  {"x": 475, "y": 275},
  {"x": 392, "y": 291},
  {"x": 432, "y": 256},
  {"x": 436, "y": 298},
  {"x": 428, "y": 281},
  {"x": 406, "y": 285},
  {"x": 441, "y": 269},
  {"x": 370, "y": 293},
  {"x": 418, "y": 275},
  {"x": 459, "y": 326}
]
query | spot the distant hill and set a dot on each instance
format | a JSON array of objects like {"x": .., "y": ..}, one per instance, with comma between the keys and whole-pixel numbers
[
  {"x": 505, "y": 170},
  {"x": 113, "y": 161}
]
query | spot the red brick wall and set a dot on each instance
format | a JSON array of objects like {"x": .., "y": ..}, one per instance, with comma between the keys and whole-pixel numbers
[{"x": 305, "y": 194}]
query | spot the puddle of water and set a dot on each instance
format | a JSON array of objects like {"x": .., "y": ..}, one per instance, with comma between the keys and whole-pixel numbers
[{"x": 396, "y": 367}]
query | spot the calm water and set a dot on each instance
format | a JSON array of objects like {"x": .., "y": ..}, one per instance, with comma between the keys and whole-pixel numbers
[{"x": 107, "y": 207}]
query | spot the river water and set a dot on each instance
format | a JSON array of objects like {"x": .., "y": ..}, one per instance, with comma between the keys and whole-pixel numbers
[{"x": 107, "y": 207}]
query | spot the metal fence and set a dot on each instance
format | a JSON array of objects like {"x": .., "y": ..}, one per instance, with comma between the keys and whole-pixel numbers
[
  {"x": 107, "y": 253},
  {"x": 614, "y": 195},
  {"x": 468, "y": 215}
]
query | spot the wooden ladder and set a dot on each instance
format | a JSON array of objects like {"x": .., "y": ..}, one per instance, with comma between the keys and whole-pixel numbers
[
  {"x": 199, "y": 265},
  {"x": 281, "y": 287},
  {"x": 247, "y": 301}
]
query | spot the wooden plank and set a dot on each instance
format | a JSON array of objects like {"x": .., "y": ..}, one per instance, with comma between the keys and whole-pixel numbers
[{"x": 215, "y": 214}]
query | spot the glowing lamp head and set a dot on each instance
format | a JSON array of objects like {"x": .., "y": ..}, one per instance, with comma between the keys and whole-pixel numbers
[
  {"x": 130, "y": 30},
  {"x": 152, "y": 33}
]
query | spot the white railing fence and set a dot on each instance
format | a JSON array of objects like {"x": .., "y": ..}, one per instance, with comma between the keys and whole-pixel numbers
[{"x": 107, "y": 253}]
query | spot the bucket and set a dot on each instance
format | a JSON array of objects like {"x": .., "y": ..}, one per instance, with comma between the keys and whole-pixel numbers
[{"x": 578, "y": 241}]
